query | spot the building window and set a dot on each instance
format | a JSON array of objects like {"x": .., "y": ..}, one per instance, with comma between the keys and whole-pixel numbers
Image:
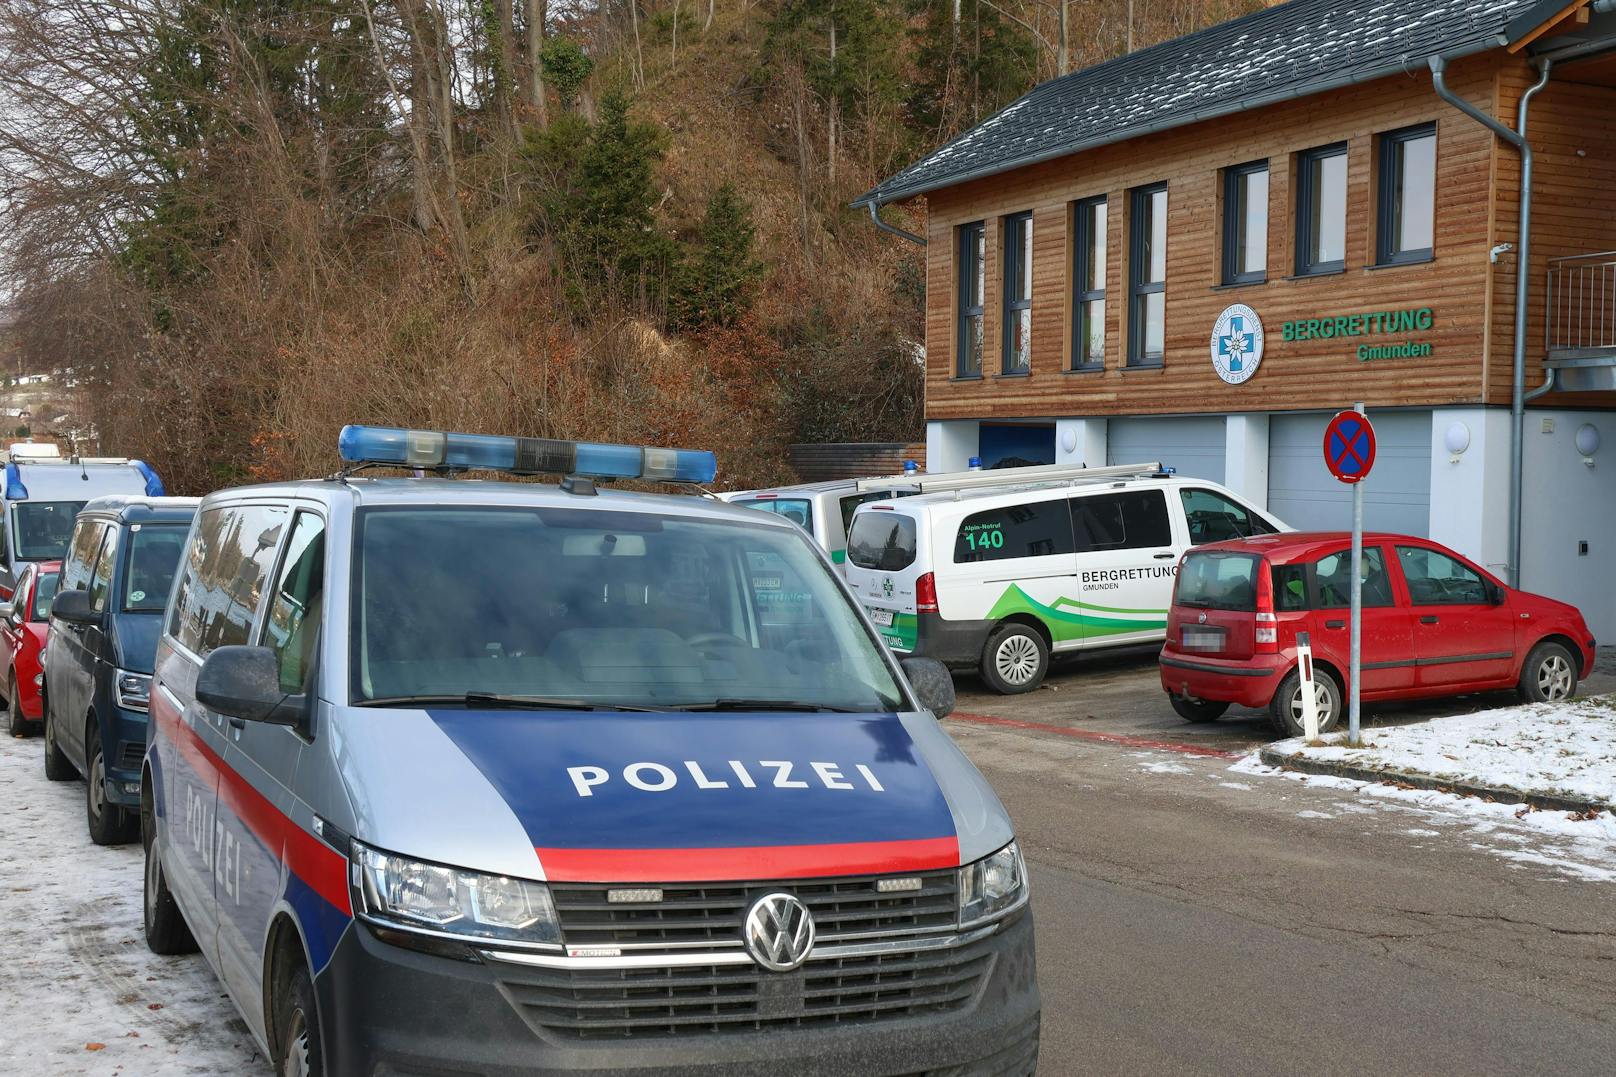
[
  {"x": 1088, "y": 291},
  {"x": 1321, "y": 210},
  {"x": 1147, "y": 276},
  {"x": 1407, "y": 224},
  {"x": 1017, "y": 357},
  {"x": 1245, "y": 223},
  {"x": 972, "y": 279}
]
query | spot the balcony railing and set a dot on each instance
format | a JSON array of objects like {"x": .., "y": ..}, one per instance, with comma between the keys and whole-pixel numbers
[{"x": 1581, "y": 305}]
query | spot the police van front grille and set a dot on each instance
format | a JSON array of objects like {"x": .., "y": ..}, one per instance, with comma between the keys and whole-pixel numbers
[
  {"x": 697, "y": 916},
  {"x": 721, "y": 999}
]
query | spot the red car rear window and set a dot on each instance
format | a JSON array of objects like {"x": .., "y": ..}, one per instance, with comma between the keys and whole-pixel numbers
[{"x": 1215, "y": 580}]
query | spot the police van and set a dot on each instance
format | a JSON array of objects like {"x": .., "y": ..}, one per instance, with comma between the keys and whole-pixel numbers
[
  {"x": 823, "y": 509},
  {"x": 472, "y": 776},
  {"x": 997, "y": 570},
  {"x": 43, "y": 493}
]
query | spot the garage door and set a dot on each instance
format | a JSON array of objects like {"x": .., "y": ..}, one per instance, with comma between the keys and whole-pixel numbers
[
  {"x": 1194, "y": 446},
  {"x": 1397, "y": 494}
]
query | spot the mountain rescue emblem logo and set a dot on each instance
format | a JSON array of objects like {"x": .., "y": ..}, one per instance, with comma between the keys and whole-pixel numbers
[{"x": 1237, "y": 344}]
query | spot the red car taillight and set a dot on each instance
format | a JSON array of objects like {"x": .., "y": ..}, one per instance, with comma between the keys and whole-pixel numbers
[
  {"x": 1266, "y": 640},
  {"x": 926, "y": 594}
]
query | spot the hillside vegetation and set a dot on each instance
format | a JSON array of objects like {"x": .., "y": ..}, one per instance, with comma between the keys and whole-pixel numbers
[{"x": 244, "y": 223}]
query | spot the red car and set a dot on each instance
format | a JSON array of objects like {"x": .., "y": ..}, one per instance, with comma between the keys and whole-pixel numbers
[
  {"x": 24, "y": 624},
  {"x": 1434, "y": 624}
]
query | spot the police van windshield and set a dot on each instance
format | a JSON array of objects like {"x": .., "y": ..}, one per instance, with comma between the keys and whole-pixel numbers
[
  {"x": 606, "y": 608},
  {"x": 43, "y": 528}
]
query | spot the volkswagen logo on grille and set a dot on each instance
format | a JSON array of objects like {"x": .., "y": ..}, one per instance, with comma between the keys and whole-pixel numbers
[{"x": 778, "y": 932}]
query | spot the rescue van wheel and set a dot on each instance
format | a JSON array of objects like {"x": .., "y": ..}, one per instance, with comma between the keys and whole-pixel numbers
[
  {"x": 20, "y": 726},
  {"x": 166, "y": 929},
  {"x": 1550, "y": 674},
  {"x": 1198, "y": 710},
  {"x": 1015, "y": 659},
  {"x": 297, "y": 1039},
  {"x": 109, "y": 823},
  {"x": 1285, "y": 711},
  {"x": 58, "y": 768}
]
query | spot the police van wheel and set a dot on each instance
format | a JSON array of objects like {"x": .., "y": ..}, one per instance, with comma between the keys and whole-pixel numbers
[
  {"x": 1015, "y": 659},
  {"x": 109, "y": 823},
  {"x": 58, "y": 768},
  {"x": 1550, "y": 674},
  {"x": 1198, "y": 710},
  {"x": 297, "y": 1041},
  {"x": 166, "y": 929},
  {"x": 1285, "y": 711}
]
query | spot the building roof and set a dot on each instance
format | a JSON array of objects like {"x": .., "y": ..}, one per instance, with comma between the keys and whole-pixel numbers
[{"x": 1295, "y": 49}]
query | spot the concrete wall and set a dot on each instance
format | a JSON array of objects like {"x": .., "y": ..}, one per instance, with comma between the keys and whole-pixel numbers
[{"x": 1567, "y": 502}]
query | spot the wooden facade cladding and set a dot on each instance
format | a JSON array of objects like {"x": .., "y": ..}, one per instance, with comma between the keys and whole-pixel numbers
[
  {"x": 1572, "y": 129},
  {"x": 1472, "y": 299}
]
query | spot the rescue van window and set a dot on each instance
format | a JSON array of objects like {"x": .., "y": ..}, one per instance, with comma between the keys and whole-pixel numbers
[
  {"x": 1214, "y": 518},
  {"x": 1033, "y": 529},
  {"x": 596, "y": 609},
  {"x": 1132, "y": 520}
]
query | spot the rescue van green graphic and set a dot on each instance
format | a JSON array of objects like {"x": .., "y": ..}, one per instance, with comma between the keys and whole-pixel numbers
[{"x": 1072, "y": 619}]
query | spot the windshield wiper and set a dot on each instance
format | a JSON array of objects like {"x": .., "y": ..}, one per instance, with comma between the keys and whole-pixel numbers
[
  {"x": 765, "y": 705},
  {"x": 496, "y": 700}
]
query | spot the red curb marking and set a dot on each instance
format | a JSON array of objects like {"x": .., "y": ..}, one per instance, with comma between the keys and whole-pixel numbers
[{"x": 1089, "y": 734}]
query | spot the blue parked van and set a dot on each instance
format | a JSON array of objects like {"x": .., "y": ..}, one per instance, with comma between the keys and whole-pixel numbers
[{"x": 105, "y": 619}]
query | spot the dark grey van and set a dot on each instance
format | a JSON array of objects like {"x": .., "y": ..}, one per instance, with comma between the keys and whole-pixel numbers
[{"x": 104, "y": 624}]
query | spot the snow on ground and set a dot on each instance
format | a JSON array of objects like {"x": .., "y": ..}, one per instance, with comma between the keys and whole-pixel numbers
[
  {"x": 79, "y": 990},
  {"x": 1566, "y": 844},
  {"x": 1556, "y": 749}
]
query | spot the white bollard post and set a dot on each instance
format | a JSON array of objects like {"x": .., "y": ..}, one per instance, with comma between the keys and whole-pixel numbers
[{"x": 1310, "y": 701}]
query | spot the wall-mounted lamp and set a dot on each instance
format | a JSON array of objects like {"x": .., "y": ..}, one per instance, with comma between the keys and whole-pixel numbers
[
  {"x": 1456, "y": 440},
  {"x": 1069, "y": 440},
  {"x": 1588, "y": 442}
]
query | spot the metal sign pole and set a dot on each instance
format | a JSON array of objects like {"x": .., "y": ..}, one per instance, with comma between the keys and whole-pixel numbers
[{"x": 1353, "y": 735}]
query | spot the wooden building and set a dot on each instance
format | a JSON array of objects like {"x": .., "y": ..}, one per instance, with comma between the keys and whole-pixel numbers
[{"x": 1195, "y": 253}]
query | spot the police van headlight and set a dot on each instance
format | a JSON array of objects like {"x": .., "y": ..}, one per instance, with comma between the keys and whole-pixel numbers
[
  {"x": 132, "y": 690},
  {"x": 992, "y": 886},
  {"x": 411, "y": 895}
]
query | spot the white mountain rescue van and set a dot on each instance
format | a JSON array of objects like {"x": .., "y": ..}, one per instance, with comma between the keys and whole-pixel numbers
[
  {"x": 996, "y": 570},
  {"x": 43, "y": 493},
  {"x": 823, "y": 509}
]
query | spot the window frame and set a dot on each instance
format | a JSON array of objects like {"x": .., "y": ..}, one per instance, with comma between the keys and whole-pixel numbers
[
  {"x": 1139, "y": 200},
  {"x": 1306, "y": 197},
  {"x": 1388, "y": 182},
  {"x": 1082, "y": 264},
  {"x": 111, "y": 549},
  {"x": 1487, "y": 582},
  {"x": 1016, "y": 272},
  {"x": 1234, "y": 221},
  {"x": 970, "y": 252},
  {"x": 1315, "y": 586},
  {"x": 277, "y": 577}
]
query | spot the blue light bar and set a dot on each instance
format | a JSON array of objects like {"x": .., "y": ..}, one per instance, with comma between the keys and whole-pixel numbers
[
  {"x": 432, "y": 450},
  {"x": 154, "y": 484},
  {"x": 15, "y": 490}
]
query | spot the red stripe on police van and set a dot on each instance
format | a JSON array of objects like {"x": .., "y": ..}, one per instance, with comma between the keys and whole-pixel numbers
[
  {"x": 748, "y": 863},
  {"x": 322, "y": 868}
]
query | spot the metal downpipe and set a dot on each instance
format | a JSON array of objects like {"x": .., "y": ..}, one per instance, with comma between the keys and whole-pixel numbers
[
  {"x": 1523, "y": 263},
  {"x": 875, "y": 216}
]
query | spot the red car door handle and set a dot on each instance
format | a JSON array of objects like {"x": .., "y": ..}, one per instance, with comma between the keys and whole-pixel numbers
[
  {"x": 1335, "y": 624},
  {"x": 1429, "y": 620}
]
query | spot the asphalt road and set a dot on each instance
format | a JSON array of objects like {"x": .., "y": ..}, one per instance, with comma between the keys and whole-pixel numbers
[
  {"x": 1194, "y": 920},
  {"x": 1119, "y": 692}
]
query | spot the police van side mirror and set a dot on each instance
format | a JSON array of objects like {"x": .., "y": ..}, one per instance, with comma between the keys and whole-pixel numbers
[
  {"x": 245, "y": 683},
  {"x": 933, "y": 685},
  {"x": 74, "y": 608}
]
